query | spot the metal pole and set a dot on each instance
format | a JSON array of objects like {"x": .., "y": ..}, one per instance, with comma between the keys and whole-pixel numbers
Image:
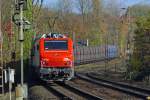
[
  {"x": 1, "y": 43},
  {"x": 123, "y": 49},
  {"x": 74, "y": 39},
  {"x": 1, "y": 37},
  {"x": 0, "y": 23},
  {"x": 0, "y": 20},
  {"x": 12, "y": 36},
  {"x": 22, "y": 74},
  {"x": 105, "y": 51},
  {"x": 9, "y": 83},
  {"x": 21, "y": 41},
  {"x": 87, "y": 42},
  {"x": 128, "y": 45}
]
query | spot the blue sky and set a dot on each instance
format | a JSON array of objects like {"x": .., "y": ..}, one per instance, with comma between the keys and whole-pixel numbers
[
  {"x": 122, "y": 3},
  {"x": 50, "y": 2},
  {"x": 126, "y": 2},
  {"x": 132, "y": 2}
]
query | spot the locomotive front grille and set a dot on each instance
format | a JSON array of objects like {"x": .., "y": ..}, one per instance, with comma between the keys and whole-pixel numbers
[{"x": 56, "y": 73}]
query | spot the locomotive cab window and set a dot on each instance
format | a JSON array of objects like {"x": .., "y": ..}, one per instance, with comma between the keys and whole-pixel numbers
[{"x": 56, "y": 45}]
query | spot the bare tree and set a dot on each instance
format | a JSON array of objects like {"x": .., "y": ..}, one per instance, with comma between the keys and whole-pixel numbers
[
  {"x": 52, "y": 21},
  {"x": 96, "y": 6},
  {"x": 84, "y": 7},
  {"x": 113, "y": 7},
  {"x": 65, "y": 14},
  {"x": 96, "y": 13},
  {"x": 37, "y": 6}
]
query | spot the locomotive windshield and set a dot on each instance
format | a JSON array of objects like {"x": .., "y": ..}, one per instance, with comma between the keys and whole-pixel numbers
[{"x": 56, "y": 45}]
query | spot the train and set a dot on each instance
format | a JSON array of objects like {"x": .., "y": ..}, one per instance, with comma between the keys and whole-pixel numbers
[{"x": 52, "y": 57}]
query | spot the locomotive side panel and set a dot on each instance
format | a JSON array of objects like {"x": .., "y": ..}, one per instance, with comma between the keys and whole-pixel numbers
[{"x": 35, "y": 54}]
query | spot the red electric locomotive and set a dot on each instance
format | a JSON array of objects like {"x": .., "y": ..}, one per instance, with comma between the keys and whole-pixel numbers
[{"x": 52, "y": 57}]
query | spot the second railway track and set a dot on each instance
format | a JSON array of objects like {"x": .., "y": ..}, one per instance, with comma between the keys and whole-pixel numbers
[
  {"x": 78, "y": 91},
  {"x": 126, "y": 88}
]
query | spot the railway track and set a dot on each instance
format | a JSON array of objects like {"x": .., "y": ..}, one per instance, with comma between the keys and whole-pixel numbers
[
  {"x": 82, "y": 93},
  {"x": 122, "y": 87},
  {"x": 56, "y": 92},
  {"x": 65, "y": 91}
]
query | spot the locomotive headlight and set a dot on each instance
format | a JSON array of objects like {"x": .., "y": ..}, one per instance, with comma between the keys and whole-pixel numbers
[
  {"x": 44, "y": 61},
  {"x": 67, "y": 61}
]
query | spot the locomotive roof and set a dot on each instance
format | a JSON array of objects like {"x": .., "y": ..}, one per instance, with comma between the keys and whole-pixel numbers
[
  {"x": 50, "y": 35},
  {"x": 53, "y": 35}
]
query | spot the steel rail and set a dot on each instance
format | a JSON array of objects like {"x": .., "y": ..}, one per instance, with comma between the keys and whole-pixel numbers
[
  {"x": 108, "y": 84},
  {"x": 80, "y": 92},
  {"x": 126, "y": 85},
  {"x": 57, "y": 93}
]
